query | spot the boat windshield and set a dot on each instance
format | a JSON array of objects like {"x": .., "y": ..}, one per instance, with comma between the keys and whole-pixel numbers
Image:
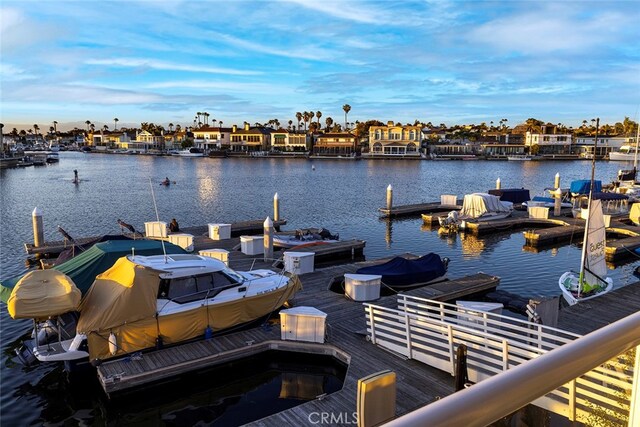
[
  {"x": 234, "y": 275},
  {"x": 194, "y": 288}
]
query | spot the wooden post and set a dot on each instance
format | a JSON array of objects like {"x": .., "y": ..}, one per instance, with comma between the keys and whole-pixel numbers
[
  {"x": 38, "y": 228},
  {"x": 498, "y": 184},
  {"x": 268, "y": 240},
  {"x": 556, "y": 183},
  {"x": 276, "y": 208},
  {"x": 557, "y": 202},
  {"x": 389, "y": 197}
]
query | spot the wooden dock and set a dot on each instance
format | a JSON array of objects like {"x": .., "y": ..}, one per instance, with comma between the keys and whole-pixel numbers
[
  {"x": 237, "y": 229},
  {"x": 346, "y": 340},
  {"x": 417, "y": 209}
]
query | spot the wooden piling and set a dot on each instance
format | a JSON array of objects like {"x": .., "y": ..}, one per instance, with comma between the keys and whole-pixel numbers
[
  {"x": 268, "y": 240},
  {"x": 38, "y": 228}
]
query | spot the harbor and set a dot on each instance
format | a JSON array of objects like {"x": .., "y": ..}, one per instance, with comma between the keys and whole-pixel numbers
[{"x": 494, "y": 253}]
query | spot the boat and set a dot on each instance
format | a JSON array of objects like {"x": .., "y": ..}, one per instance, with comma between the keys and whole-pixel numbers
[
  {"x": 591, "y": 281},
  {"x": 146, "y": 302},
  {"x": 302, "y": 237},
  {"x": 52, "y": 157},
  {"x": 520, "y": 157},
  {"x": 401, "y": 273},
  {"x": 625, "y": 153},
  {"x": 547, "y": 199},
  {"x": 190, "y": 152},
  {"x": 477, "y": 207}
]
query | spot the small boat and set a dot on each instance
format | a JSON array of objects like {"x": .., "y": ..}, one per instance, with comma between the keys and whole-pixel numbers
[
  {"x": 191, "y": 152},
  {"x": 401, "y": 273},
  {"x": 145, "y": 302},
  {"x": 305, "y": 236},
  {"x": 591, "y": 281},
  {"x": 625, "y": 153},
  {"x": 547, "y": 200},
  {"x": 520, "y": 157},
  {"x": 165, "y": 182},
  {"x": 477, "y": 207}
]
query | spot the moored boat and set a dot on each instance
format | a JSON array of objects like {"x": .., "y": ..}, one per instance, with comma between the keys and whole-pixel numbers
[
  {"x": 402, "y": 273},
  {"x": 477, "y": 207},
  {"x": 302, "y": 237}
]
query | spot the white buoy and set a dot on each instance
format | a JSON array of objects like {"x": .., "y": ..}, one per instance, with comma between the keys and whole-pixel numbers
[
  {"x": 276, "y": 208},
  {"x": 113, "y": 344},
  {"x": 498, "y": 184},
  {"x": 38, "y": 228},
  {"x": 313, "y": 167},
  {"x": 268, "y": 240}
]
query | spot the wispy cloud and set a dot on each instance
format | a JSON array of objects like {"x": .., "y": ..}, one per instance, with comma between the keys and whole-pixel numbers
[{"x": 168, "y": 66}]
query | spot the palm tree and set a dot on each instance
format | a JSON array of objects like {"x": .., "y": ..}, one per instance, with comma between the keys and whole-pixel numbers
[
  {"x": 206, "y": 118},
  {"x": 178, "y": 128},
  {"x": 199, "y": 114},
  {"x": 290, "y": 123},
  {"x": 88, "y": 123},
  {"x": 305, "y": 117},
  {"x": 115, "y": 124},
  {"x": 299, "y": 117},
  {"x": 92, "y": 127},
  {"x": 346, "y": 108},
  {"x": 318, "y": 115},
  {"x": 105, "y": 128},
  {"x": 329, "y": 122},
  {"x": 55, "y": 127},
  {"x": 36, "y": 128}
]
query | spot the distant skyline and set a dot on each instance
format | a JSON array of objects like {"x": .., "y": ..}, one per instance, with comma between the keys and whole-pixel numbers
[{"x": 449, "y": 62}]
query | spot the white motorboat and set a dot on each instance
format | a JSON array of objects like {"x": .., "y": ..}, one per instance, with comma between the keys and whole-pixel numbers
[
  {"x": 591, "y": 281},
  {"x": 477, "y": 207},
  {"x": 625, "y": 153},
  {"x": 547, "y": 199},
  {"x": 190, "y": 152},
  {"x": 302, "y": 237},
  {"x": 146, "y": 301},
  {"x": 520, "y": 157}
]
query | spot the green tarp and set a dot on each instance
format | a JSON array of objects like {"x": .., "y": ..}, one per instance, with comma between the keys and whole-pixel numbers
[{"x": 84, "y": 268}]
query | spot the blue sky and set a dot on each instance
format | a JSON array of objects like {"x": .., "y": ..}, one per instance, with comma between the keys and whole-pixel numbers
[{"x": 449, "y": 62}]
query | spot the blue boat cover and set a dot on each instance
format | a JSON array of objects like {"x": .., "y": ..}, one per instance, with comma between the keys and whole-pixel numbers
[
  {"x": 402, "y": 272},
  {"x": 582, "y": 186},
  {"x": 513, "y": 195},
  {"x": 84, "y": 268}
]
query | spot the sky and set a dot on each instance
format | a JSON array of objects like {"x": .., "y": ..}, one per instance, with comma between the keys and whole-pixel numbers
[{"x": 452, "y": 62}]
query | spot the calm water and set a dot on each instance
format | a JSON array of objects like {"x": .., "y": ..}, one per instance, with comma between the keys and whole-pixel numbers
[{"x": 342, "y": 196}]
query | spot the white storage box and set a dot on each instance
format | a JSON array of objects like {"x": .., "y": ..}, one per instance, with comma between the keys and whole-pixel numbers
[
  {"x": 448, "y": 199},
  {"x": 474, "y": 310},
  {"x": 156, "y": 229},
  {"x": 251, "y": 245},
  {"x": 302, "y": 324},
  {"x": 299, "y": 262},
  {"x": 538, "y": 212},
  {"x": 362, "y": 287},
  {"x": 184, "y": 240},
  {"x": 219, "y": 231},
  {"x": 221, "y": 254}
]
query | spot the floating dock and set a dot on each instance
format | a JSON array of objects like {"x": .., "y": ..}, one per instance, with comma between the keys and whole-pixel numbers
[
  {"x": 416, "y": 210},
  {"x": 346, "y": 341}
]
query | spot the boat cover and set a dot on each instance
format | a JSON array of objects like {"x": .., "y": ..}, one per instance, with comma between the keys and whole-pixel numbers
[
  {"x": 477, "y": 204},
  {"x": 513, "y": 195},
  {"x": 123, "y": 301},
  {"x": 84, "y": 268},
  {"x": 400, "y": 271},
  {"x": 43, "y": 293},
  {"x": 582, "y": 186}
]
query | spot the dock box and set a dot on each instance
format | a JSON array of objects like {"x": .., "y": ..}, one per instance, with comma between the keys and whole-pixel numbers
[
  {"x": 184, "y": 240},
  {"x": 221, "y": 254},
  {"x": 302, "y": 324},
  {"x": 474, "y": 310},
  {"x": 538, "y": 212},
  {"x": 299, "y": 262},
  {"x": 251, "y": 245},
  {"x": 156, "y": 229},
  {"x": 219, "y": 231},
  {"x": 448, "y": 199},
  {"x": 362, "y": 287}
]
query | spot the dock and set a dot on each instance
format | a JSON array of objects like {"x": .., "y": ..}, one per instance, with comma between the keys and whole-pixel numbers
[
  {"x": 417, "y": 209},
  {"x": 346, "y": 340}
]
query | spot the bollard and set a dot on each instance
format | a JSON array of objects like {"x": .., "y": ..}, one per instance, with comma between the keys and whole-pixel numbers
[
  {"x": 556, "y": 183},
  {"x": 389, "y": 197},
  {"x": 557, "y": 208},
  {"x": 268, "y": 240},
  {"x": 498, "y": 184},
  {"x": 38, "y": 228},
  {"x": 276, "y": 208}
]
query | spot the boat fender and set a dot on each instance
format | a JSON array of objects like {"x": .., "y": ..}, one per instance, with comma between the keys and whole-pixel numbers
[
  {"x": 159, "y": 343},
  {"x": 113, "y": 344},
  {"x": 208, "y": 333}
]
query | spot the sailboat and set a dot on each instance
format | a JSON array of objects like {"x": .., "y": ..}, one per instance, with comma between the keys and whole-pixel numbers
[{"x": 591, "y": 282}]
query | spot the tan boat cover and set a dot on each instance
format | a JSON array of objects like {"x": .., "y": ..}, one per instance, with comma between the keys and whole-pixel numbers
[
  {"x": 123, "y": 301},
  {"x": 41, "y": 294}
]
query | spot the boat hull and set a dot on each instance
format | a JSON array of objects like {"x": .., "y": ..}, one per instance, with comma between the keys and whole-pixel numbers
[{"x": 568, "y": 283}]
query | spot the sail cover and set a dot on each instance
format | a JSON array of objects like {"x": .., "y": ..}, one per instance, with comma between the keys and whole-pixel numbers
[
  {"x": 594, "y": 245},
  {"x": 40, "y": 294},
  {"x": 477, "y": 204}
]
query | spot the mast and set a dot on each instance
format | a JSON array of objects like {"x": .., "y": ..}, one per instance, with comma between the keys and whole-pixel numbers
[
  {"x": 635, "y": 158},
  {"x": 585, "y": 243}
]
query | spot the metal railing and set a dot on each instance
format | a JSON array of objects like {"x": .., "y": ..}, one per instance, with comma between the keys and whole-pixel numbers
[{"x": 430, "y": 331}]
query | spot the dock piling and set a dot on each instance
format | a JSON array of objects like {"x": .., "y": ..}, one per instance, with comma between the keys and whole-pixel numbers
[
  {"x": 268, "y": 240},
  {"x": 38, "y": 228},
  {"x": 498, "y": 184},
  {"x": 276, "y": 208},
  {"x": 556, "y": 182},
  {"x": 389, "y": 197}
]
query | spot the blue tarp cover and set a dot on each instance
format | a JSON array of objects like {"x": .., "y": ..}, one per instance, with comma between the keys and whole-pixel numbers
[
  {"x": 399, "y": 272},
  {"x": 582, "y": 186}
]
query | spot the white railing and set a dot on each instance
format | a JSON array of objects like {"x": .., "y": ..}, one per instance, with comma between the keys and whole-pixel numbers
[{"x": 430, "y": 331}]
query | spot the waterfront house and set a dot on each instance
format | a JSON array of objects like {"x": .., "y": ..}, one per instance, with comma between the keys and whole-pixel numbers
[
  {"x": 250, "y": 139},
  {"x": 289, "y": 141},
  {"x": 336, "y": 144},
  {"x": 548, "y": 142},
  {"x": 395, "y": 140},
  {"x": 583, "y": 145},
  {"x": 212, "y": 138}
]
